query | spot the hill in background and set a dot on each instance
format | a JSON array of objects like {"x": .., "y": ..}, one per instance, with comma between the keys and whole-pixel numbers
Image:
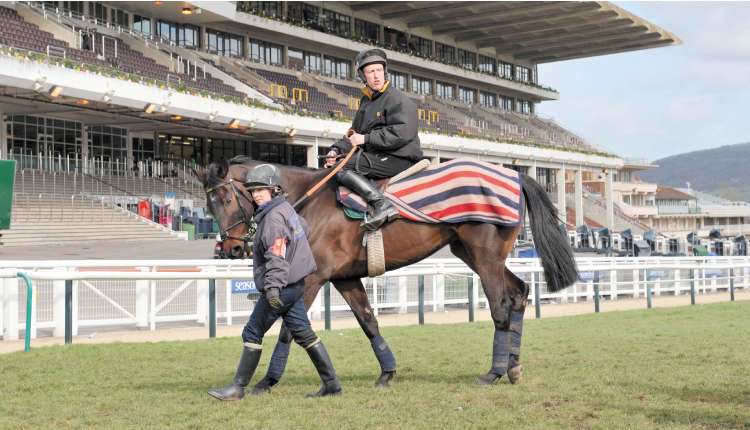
[{"x": 723, "y": 171}]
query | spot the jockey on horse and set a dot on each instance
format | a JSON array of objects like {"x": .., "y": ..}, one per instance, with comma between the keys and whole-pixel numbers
[{"x": 385, "y": 129}]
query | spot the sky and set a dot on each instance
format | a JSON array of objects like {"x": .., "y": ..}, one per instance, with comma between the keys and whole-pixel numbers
[{"x": 658, "y": 102}]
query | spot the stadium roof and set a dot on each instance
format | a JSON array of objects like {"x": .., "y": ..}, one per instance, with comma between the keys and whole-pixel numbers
[{"x": 539, "y": 32}]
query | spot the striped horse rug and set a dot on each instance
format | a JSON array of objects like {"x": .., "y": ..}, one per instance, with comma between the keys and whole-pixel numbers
[{"x": 453, "y": 192}]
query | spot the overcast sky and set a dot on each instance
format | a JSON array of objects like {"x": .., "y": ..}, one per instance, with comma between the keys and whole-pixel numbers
[{"x": 659, "y": 102}]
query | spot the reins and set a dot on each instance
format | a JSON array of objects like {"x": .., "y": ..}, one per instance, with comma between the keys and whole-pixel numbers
[{"x": 323, "y": 181}]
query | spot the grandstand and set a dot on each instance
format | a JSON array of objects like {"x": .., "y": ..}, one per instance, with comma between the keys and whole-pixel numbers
[{"x": 121, "y": 99}]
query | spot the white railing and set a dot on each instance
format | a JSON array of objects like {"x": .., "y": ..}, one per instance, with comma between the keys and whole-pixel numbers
[{"x": 142, "y": 294}]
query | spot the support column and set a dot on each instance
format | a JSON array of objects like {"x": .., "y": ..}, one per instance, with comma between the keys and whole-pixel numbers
[
  {"x": 435, "y": 160},
  {"x": 129, "y": 153},
  {"x": 579, "y": 197},
  {"x": 85, "y": 147},
  {"x": 610, "y": 202},
  {"x": 532, "y": 172},
  {"x": 312, "y": 155},
  {"x": 4, "y": 146},
  {"x": 561, "y": 203}
]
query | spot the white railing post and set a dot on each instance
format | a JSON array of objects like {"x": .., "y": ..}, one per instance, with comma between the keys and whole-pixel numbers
[
  {"x": 613, "y": 284},
  {"x": 152, "y": 305},
  {"x": 316, "y": 310},
  {"x": 10, "y": 308},
  {"x": 636, "y": 290},
  {"x": 75, "y": 308},
  {"x": 141, "y": 300},
  {"x": 228, "y": 290},
  {"x": 374, "y": 301},
  {"x": 58, "y": 308},
  {"x": 403, "y": 296},
  {"x": 475, "y": 291},
  {"x": 676, "y": 283},
  {"x": 438, "y": 291},
  {"x": 202, "y": 300}
]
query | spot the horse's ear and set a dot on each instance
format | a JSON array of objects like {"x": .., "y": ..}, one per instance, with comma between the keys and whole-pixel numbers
[
  {"x": 199, "y": 173},
  {"x": 223, "y": 168}
]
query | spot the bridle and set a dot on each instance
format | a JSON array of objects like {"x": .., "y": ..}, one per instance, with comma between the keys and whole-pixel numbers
[{"x": 245, "y": 219}]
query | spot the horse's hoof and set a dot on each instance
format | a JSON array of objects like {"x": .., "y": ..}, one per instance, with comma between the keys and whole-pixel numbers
[
  {"x": 384, "y": 380},
  {"x": 515, "y": 374},
  {"x": 488, "y": 378}
]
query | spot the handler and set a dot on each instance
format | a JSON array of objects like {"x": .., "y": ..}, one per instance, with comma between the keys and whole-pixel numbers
[
  {"x": 281, "y": 260},
  {"x": 385, "y": 127}
]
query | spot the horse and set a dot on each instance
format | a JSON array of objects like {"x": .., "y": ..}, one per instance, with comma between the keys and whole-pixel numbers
[{"x": 336, "y": 243}]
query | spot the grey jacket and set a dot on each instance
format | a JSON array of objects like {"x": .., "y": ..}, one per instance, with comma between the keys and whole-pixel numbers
[
  {"x": 388, "y": 120},
  {"x": 281, "y": 252}
]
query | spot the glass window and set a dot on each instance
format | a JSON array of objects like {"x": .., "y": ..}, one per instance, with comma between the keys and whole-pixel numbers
[
  {"x": 336, "y": 67},
  {"x": 263, "y": 8},
  {"x": 76, "y": 7},
  {"x": 421, "y": 85},
  {"x": 310, "y": 15},
  {"x": 522, "y": 74},
  {"x": 444, "y": 90},
  {"x": 487, "y": 99},
  {"x": 226, "y": 44},
  {"x": 467, "y": 95},
  {"x": 445, "y": 53},
  {"x": 336, "y": 23},
  {"x": 398, "y": 79},
  {"x": 189, "y": 36},
  {"x": 142, "y": 24},
  {"x": 99, "y": 11},
  {"x": 421, "y": 46},
  {"x": 523, "y": 106},
  {"x": 507, "y": 102},
  {"x": 265, "y": 52},
  {"x": 487, "y": 64},
  {"x": 467, "y": 60},
  {"x": 120, "y": 17},
  {"x": 505, "y": 70},
  {"x": 313, "y": 63},
  {"x": 395, "y": 39},
  {"x": 365, "y": 30}
]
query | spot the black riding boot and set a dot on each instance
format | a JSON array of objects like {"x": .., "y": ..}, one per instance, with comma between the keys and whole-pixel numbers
[
  {"x": 246, "y": 368},
  {"x": 382, "y": 209},
  {"x": 322, "y": 362}
]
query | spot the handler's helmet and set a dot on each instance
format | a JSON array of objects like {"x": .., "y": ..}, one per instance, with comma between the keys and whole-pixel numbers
[
  {"x": 263, "y": 176},
  {"x": 370, "y": 56}
]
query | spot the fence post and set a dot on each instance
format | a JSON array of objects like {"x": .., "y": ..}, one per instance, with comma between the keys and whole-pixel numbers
[
  {"x": 58, "y": 308},
  {"x": 731, "y": 284},
  {"x": 212, "y": 308},
  {"x": 537, "y": 296},
  {"x": 648, "y": 295},
  {"x": 10, "y": 308},
  {"x": 420, "y": 293},
  {"x": 68, "y": 311},
  {"x": 692, "y": 286},
  {"x": 327, "y": 304},
  {"x": 471, "y": 298},
  {"x": 403, "y": 295},
  {"x": 596, "y": 292},
  {"x": 141, "y": 300}
]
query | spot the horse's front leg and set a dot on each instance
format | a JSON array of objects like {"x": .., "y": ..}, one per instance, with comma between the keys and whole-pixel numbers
[
  {"x": 355, "y": 295},
  {"x": 280, "y": 355}
]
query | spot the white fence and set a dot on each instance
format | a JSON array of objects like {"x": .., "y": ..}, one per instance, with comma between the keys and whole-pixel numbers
[{"x": 144, "y": 294}]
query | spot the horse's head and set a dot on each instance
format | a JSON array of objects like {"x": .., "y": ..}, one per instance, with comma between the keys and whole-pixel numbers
[{"x": 231, "y": 205}]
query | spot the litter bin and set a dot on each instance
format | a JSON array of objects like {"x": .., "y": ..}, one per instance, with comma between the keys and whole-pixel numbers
[
  {"x": 7, "y": 176},
  {"x": 190, "y": 229}
]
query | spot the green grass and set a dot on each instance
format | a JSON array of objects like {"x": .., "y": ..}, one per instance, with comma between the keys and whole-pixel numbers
[{"x": 679, "y": 368}]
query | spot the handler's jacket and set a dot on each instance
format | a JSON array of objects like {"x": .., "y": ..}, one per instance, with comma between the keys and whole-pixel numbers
[
  {"x": 281, "y": 252},
  {"x": 388, "y": 120}
]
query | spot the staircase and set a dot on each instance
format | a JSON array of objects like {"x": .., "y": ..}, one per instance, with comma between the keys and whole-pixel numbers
[{"x": 594, "y": 208}]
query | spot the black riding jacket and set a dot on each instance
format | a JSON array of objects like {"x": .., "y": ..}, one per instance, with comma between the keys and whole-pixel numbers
[
  {"x": 281, "y": 252},
  {"x": 388, "y": 120}
]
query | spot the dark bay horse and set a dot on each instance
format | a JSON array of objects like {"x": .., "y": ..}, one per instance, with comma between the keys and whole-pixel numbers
[{"x": 337, "y": 246}]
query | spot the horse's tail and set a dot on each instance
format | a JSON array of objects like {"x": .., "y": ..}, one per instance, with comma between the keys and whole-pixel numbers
[{"x": 551, "y": 243}]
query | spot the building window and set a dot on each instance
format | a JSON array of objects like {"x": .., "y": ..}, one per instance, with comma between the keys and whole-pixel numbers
[
  {"x": 505, "y": 70},
  {"x": 507, "y": 102},
  {"x": 421, "y": 85},
  {"x": 295, "y": 58},
  {"x": 263, "y": 52},
  {"x": 487, "y": 64},
  {"x": 189, "y": 36},
  {"x": 120, "y": 17},
  {"x": 445, "y": 53},
  {"x": 167, "y": 31},
  {"x": 421, "y": 46},
  {"x": 487, "y": 99},
  {"x": 524, "y": 106},
  {"x": 336, "y": 67},
  {"x": 365, "y": 30},
  {"x": 467, "y": 95},
  {"x": 226, "y": 44},
  {"x": 444, "y": 90},
  {"x": 336, "y": 23},
  {"x": 397, "y": 79},
  {"x": 76, "y": 7},
  {"x": 142, "y": 25},
  {"x": 523, "y": 74},
  {"x": 467, "y": 60},
  {"x": 313, "y": 63},
  {"x": 99, "y": 11},
  {"x": 262, "y": 8},
  {"x": 395, "y": 39}
]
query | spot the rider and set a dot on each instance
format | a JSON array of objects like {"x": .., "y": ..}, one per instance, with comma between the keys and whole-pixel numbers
[
  {"x": 385, "y": 127},
  {"x": 281, "y": 260}
]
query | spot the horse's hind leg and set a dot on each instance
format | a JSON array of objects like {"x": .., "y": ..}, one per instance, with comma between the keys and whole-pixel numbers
[
  {"x": 485, "y": 247},
  {"x": 355, "y": 295},
  {"x": 519, "y": 292}
]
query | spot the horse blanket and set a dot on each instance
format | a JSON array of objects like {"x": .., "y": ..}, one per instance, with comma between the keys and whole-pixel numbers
[{"x": 453, "y": 192}]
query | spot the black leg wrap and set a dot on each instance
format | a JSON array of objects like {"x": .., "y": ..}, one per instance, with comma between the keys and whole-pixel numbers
[
  {"x": 500, "y": 357},
  {"x": 515, "y": 370},
  {"x": 323, "y": 365},
  {"x": 245, "y": 369}
]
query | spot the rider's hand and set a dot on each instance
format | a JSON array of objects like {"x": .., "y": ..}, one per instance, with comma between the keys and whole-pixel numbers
[
  {"x": 272, "y": 295},
  {"x": 331, "y": 158},
  {"x": 357, "y": 139}
]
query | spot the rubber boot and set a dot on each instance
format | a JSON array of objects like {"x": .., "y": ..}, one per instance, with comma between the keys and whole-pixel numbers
[
  {"x": 382, "y": 209},
  {"x": 246, "y": 368},
  {"x": 322, "y": 362}
]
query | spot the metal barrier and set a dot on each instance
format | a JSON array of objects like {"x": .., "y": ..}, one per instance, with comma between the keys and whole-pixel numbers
[{"x": 94, "y": 293}]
